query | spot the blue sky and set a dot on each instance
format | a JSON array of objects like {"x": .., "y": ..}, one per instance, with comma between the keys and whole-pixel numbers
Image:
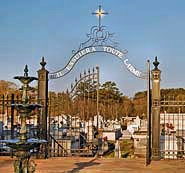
[{"x": 53, "y": 28}]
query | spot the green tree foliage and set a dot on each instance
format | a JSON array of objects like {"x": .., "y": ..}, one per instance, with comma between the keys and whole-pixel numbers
[
  {"x": 59, "y": 103},
  {"x": 82, "y": 101},
  {"x": 140, "y": 104},
  {"x": 112, "y": 103}
]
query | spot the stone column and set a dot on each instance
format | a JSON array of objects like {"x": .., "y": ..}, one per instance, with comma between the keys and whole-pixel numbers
[
  {"x": 156, "y": 77},
  {"x": 43, "y": 97}
]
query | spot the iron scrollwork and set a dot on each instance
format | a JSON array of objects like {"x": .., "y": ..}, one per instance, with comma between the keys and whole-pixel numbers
[{"x": 98, "y": 37}]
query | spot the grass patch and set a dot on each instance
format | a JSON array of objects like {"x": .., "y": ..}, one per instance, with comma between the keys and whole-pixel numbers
[
  {"x": 127, "y": 148},
  {"x": 110, "y": 155}
]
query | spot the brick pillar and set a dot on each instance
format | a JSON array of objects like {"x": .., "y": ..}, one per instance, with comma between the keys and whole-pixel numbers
[
  {"x": 156, "y": 77},
  {"x": 43, "y": 97}
]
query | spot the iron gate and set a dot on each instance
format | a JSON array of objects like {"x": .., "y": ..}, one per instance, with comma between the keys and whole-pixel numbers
[{"x": 71, "y": 130}]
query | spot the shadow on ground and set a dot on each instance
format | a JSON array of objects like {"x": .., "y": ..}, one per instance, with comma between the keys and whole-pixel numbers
[{"x": 82, "y": 165}]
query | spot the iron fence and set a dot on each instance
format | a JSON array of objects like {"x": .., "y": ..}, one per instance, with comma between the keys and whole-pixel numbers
[
  {"x": 10, "y": 122},
  {"x": 172, "y": 127}
]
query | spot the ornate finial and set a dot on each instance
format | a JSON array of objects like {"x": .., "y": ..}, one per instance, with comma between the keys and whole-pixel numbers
[
  {"x": 26, "y": 71},
  {"x": 84, "y": 72},
  {"x": 89, "y": 71},
  {"x": 156, "y": 63},
  {"x": 43, "y": 63}
]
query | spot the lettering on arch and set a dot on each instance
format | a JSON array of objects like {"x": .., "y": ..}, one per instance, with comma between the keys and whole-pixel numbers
[{"x": 93, "y": 49}]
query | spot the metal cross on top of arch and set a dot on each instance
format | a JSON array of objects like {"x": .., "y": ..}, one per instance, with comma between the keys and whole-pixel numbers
[
  {"x": 100, "y": 13},
  {"x": 99, "y": 40}
]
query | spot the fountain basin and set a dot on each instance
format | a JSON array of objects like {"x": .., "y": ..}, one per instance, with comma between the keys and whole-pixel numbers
[
  {"x": 26, "y": 107},
  {"x": 23, "y": 145},
  {"x": 25, "y": 79}
]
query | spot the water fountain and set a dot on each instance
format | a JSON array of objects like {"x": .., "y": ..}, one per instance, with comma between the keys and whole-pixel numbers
[{"x": 24, "y": 145}]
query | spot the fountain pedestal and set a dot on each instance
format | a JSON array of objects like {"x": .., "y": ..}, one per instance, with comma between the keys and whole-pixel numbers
[{"x": 23, "y": 163}]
